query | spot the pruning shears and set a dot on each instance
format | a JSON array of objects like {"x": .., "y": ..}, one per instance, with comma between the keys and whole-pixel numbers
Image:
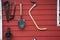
[{"x": 7, "y": 8}]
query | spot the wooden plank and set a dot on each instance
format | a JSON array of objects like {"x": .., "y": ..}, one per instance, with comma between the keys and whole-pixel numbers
[
  {"x": 39, "y": 1},
  {"x": 34, "y": 33},
  {"x": 36, "y": 12},
  {"x": 30, "y": 28},
  {"x": 43, "y": 1},
  {"x": 31, "y": 23},
  {"x": 36, "y": 17},
  {"x": 38, "y": 38},
  {"x": 37, "y": 7}
]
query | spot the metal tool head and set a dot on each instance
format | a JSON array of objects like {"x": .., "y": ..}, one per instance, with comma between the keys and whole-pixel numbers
[
  {"x": 7, "y": 8},
  {"x": 6, "y": 4},
  {"x": 21, "y": 23},
  {"x": 32, "y": 1},
  {"x": 8, "y": 34}
]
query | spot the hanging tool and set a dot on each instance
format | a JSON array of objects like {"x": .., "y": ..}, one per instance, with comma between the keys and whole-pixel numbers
[
  {"x": 8, "y": 35},
  {"x": 9, "y": 15},
  {"x": 34, "y": 5},
  {"x": 34, "y": 38},
  {"x": 7, "y": 8},
  {"x": 12, "y": 16},
  {"x": 21, "y": 21}
]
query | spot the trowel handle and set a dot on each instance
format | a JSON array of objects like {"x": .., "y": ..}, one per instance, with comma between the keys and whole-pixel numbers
[{"x": 20, "y": 9}]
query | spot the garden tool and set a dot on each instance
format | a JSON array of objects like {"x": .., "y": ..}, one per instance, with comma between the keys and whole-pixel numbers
[
  {"x": 21, "y": 21},
  {"x": 7, "y": 8},
  {"x": 34, "y": 5},
  {"x": 8, "y": 35},
  {"x": 9, "y": 15},
  {"x": 12, "y": 16},
  {"x": 34, "y": 38}
]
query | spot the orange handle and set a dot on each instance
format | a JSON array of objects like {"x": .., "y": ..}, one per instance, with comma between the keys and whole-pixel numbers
[{"x": 33, "y": 18}]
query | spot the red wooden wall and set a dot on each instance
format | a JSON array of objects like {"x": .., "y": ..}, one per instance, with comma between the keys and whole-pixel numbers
[{"x": 45, "y": 14}]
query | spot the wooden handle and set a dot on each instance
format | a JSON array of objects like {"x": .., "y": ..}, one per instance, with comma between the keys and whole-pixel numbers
[
  {"x": 34, "y": 20},
  {"x": 20, "y": 8}
]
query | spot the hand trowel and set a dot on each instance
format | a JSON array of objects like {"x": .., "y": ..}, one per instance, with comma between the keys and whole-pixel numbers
[{"x": 21, "y": 21}]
